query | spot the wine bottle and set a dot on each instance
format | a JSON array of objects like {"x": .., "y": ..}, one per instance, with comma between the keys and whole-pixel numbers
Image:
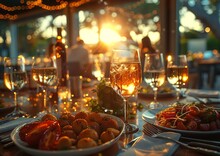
[{"x": 60, "y": 51}]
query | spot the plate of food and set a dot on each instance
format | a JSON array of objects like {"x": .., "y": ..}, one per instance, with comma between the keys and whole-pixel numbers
[
  {"x": 79, "y": 134},
  {"x": 188, "y": 119}
]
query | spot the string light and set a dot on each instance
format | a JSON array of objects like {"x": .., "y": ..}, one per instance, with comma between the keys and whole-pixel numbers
[
  {"x": 79, "y": 3},
  {"x": 8, "y": 16},
  {"x": 31, "y": 4}
]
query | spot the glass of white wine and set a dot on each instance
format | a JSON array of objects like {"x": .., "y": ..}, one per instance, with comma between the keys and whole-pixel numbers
[
  {"x": 15, "y": 78},
  {"x": 44, "y": 73},
  {"x": 177, "y": 72},
  {"x": 154, "y": 74},
  {"x": 125, "y": 78}
]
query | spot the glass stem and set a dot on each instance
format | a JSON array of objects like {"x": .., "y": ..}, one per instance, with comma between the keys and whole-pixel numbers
[
  {"x": 155, "y": 94},
  {"x": 16, "y": 102},
  {"x": 125, "y": 110},
  {"x": 177, "y": 95},
  {"x": 45, "y": 100}
]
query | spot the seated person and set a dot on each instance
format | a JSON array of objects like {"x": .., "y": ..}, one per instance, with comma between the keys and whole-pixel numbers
[{"x": 78, "y": 59}]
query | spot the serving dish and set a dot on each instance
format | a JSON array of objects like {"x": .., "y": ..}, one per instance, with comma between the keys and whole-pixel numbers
[
  {"x": 86, "y": 151},
  {"x": 149, "y": 116}
]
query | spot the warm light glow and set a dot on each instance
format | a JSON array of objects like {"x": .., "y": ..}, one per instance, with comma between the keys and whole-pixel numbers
[
  {"x": 130, "y": 88},
  {"x": 154, "y": 36},
  {"x": 188, "y": 18},
  {"x": 185, "y": 77},
  {"x": 22, "y": 58},
  {"x": 1, "y": 40},
  {"x": 207, "y": 29},
  {"x": 89, "y": 35},
  {"x": 169, "y": 58},
  {"x": 108, "y": 35},
  {"x": 38, "y": 3}
]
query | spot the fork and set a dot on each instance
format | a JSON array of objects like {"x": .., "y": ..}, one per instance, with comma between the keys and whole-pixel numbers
[{"x": 152, "y": 131}]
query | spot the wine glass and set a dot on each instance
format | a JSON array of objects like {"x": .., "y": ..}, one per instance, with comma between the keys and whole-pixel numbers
[
  {"x": 44, "y": 73},
  {"x": 98, "y": 66},
  {"x": 154, "y": 74},
  {"x": 177, "y": 72},
  {"x": 125, "y": 77},
  {"x": 15, "y": 77}
]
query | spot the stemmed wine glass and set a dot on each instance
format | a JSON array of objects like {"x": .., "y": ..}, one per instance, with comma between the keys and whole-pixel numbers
[
  {"x": 15, "y": 78},
  {"x": 177, "y": 72},
  {"x": 98, "y": 66},
  {"x": 154, "y": 74},
  {"x": 44, "y": 73},
  {"x": 125, "y": 77}
]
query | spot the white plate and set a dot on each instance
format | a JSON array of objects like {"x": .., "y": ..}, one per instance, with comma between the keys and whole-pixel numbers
[
  {"x": 87, "y": 151},
  {"x": 150, "y": 117}
]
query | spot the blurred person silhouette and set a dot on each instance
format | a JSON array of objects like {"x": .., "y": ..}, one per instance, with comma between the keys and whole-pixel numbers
[
  {"x": 146, "y": 47},
  {"x": 78, "y": 59}
]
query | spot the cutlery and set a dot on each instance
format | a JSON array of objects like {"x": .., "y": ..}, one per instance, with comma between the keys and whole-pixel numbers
[
  {"x": 213, "y": 142},
  {"x": 196, "y": 147},
  {"x": 128, "y": 145},
  {"x": 4, "y": 136},
  {"x": 208, "y": 149},
  {"x": 8, "y": 144},
  {"x": 6, "y": 140},
  {"x": 156, "y": 130},
  {"x": 2, "y": 121},
  {"x": 204, "y": 145}
]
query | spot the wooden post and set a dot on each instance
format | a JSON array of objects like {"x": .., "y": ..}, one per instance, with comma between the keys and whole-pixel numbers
[{"x": 14, "y": 41}]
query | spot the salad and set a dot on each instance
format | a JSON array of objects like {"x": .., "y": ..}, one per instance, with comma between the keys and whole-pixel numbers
[{"x": 194, "y": 117}]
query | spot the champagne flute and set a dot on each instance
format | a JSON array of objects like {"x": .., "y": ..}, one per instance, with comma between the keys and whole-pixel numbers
[
  {"x": 125, "y": 77},
  {"x": 44, "y": 73},
  {"x": 154, "y": 74},
  {"x": 15, "y": 78},
  {"x": 177, "y": 73},
  {"x": 98, "y": 66}
]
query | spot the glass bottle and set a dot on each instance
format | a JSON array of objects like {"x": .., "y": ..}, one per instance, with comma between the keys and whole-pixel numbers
[{"x": 60, "y": 51}]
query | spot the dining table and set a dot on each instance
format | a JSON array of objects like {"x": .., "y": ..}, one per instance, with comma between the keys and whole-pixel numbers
[{"x": 31, "y": 100}]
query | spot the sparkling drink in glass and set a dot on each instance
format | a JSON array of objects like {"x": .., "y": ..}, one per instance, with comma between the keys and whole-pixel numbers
[
  {"x": 15, "y": 78},
  {"x": 177, "y": 73},
  {"x": 125, "y": 78},
  {"x": 154, "y": 74},
  {"x": 44, "y": 73}
]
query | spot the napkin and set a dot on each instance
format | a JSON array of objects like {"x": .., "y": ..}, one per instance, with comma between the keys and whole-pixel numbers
[
  {"x": 203, "y": 93},
  {"x": 152, "y": 146},
  {"x": 14, "y": 123}
]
